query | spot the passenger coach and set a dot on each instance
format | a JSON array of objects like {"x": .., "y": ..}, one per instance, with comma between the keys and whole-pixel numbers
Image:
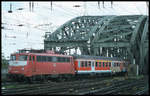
[{"x": 97, "y": 64}]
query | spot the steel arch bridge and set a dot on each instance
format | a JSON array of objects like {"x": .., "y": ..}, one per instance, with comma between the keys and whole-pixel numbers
[{"x": 125, "y": 36}]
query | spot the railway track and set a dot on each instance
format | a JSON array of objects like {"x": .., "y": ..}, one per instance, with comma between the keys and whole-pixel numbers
[
  {"x": 105, "y": 88},
  {"x": 41, "y": 88},
  {"x": 80, "y": 87}
]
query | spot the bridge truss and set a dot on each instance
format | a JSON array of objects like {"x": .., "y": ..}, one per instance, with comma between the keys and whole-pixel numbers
[{"x": 125, "y": 36}]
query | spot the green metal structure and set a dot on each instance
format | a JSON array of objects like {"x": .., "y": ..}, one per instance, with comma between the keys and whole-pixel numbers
[{"x": 124, "y": 36}]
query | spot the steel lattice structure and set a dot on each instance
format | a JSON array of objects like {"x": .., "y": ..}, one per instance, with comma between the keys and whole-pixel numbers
[{"x": 124, "y": 36}]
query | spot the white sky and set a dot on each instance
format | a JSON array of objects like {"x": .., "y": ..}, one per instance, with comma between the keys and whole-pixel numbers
[{"x": 30, "y": 35}]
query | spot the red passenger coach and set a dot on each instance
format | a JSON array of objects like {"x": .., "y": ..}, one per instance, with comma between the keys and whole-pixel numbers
[{"x": 33, "y": 63}]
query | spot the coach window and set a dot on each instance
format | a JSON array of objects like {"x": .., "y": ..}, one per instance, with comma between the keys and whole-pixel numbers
[
  {"x": 115, "y": 64},
  {"x": 106, "y": 64},
  {"x": 103, "y": 64},
  {"x": 85, "y": 63},
  {"x": 96, "y": 64},
  {"x": 99, "y": 64},
  {"x": 89, "y": 63},
  {"x": 82, "y": 63},
  {"x": 109, "y": 64}
]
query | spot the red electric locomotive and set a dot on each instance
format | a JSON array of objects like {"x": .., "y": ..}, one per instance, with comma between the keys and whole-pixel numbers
[
  {"x": 31, "y": 63},
  {"x": 38, "y": 63}
]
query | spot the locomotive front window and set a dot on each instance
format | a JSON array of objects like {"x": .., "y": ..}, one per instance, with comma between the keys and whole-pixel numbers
[
  {"x": 23, "y": 58},
  {"x": 12, "y": 57}
]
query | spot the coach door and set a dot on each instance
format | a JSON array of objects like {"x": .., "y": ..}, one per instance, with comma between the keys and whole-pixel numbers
[
  {"x": 93, "y": 66},
  {"x": 33, "y": 63}
]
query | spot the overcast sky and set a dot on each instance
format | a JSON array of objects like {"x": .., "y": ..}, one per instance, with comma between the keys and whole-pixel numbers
[{"x": 42, "y": 19}]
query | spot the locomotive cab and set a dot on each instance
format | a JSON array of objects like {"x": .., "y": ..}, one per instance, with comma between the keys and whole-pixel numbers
[{"x": 18, "y": 64}]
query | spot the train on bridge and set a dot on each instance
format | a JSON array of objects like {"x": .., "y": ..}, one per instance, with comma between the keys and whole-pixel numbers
[{"x": 42, "y": 63}]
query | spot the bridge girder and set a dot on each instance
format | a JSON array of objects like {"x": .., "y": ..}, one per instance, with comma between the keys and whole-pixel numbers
[{"x": 121, "y": 36}]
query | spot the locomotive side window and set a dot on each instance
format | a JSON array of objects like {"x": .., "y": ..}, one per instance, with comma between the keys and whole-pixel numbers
[
  {"x": 63, "y": 59},
  {"x": 59, "y": 59},
  {"x": 44, "y": 58},
  {"x": 68, "y": 59},
  {"x": 38, "y": 58},
  {"x": 54, "y": 59},
  {"x": 49, "y": 58}
]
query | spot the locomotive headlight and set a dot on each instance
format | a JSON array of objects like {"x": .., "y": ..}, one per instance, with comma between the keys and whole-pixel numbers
[
  {"x": 9, "y": 68},
  {"x": 23, "y": 68}
]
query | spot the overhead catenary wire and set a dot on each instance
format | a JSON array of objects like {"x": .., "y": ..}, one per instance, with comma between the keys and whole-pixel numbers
[{"x": 138, "y": 10}]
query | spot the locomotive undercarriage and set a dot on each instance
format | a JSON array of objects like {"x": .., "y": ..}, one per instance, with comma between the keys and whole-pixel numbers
[{"x": 60, "y": 77}]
